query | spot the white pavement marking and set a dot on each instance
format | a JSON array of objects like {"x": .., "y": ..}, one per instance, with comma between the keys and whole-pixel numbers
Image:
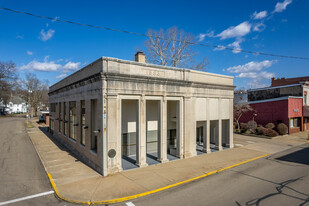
[
  {"x": 130, "y": 204},
  {"x": 26, "y": 198}
]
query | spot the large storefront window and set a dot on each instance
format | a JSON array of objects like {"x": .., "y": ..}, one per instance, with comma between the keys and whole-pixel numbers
[
  {"x": 83, "y": 122},
  {"x": 73, "y": 125},
  {"x": 60, "y": 117},
  {"x": 294, "y": 122},
  {"x": 94, "y": 123},
  {"x": 65, "y": 121}
]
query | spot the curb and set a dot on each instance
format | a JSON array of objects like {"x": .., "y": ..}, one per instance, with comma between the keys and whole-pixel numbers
[{"x": 148, "y": 192}]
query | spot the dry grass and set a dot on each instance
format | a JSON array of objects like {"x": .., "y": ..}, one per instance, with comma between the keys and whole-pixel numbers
[{"x": 28, "y": 124}]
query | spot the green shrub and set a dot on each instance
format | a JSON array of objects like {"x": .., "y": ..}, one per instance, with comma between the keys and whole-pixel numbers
[
  {"x": 250, "y": 131},
  {"x": 282, "y": 129},
  {"x": 270, "y": 132},
  {"x": 270, "y": 125},
  {"x": 244, "y": 126},
  {"x": 235, "y": 125},
  {"x": 260, "y": 129},
  {"x": 252, "y": 125}
]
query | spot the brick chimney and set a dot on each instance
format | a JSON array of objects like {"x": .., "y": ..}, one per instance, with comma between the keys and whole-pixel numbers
[{"x": 140, "y": 57}]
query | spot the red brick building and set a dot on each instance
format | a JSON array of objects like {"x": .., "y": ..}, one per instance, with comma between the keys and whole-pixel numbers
[
  {"x": 285, "y": 101},
  {"x": 287, "y": 110},
  {"x": 283, "y": 81}
]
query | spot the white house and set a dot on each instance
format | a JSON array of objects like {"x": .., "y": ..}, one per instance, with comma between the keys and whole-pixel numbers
[{"x": 16, "y": 105}]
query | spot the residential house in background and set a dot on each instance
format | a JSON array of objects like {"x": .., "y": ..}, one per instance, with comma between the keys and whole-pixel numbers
[
  {"x": 285, "y": 101},
  {"x": 15, "y": 105}
]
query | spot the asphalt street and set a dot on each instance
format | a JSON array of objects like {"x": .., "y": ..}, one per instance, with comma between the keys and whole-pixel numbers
[
  {"x": 281, "y": 179},
  {"x": 21, "y": 173}
]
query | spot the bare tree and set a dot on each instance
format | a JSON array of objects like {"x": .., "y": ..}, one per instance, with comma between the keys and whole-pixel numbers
[
  {"x": 239, "y": 110},
  {"x": 34, "y": 92},
  {"x": 172, "y": 48},
  {"x": 8, "y": 79}
]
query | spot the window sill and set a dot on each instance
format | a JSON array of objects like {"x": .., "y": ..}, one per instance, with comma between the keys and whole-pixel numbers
[
  {"x": 73, "y": 140},
  {"x": 94, "y": 152},
  {"x": 82, "y": 146}
]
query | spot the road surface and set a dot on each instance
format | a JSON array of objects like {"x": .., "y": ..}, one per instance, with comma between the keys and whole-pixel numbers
[
  {"x": 22, "y": 174},
  {"x": 281, "y": 179}
]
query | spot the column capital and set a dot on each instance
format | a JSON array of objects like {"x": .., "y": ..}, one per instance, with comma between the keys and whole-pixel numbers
[
  {"x": 164, "y": 98},
  {"x": 143, "y": 98}
]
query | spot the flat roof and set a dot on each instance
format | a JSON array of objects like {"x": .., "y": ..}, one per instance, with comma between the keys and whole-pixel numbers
[
  {"x": 181, "y": 74},
  {"x": 266, "y": 88},
  {"x": 275, "y": 99}
]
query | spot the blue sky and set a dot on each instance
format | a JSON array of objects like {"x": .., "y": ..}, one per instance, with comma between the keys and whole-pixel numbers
[{"x": 53, "y": 50}]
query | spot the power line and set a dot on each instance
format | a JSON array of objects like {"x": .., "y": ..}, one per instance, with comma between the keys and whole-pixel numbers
[{"x": 145, "y": 35}]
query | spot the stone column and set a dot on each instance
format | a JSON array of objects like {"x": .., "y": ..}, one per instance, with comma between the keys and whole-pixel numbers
[
  {"x": 230, "y": 143},
  {"x": 218, "y": 140},
  {"x": 113, "y": 132},
  {"x": 162, "y": 147},
  {"x": 206, "y": 140},
  {"x": 189, "y": 128},
  {"x": 180, "y": 129},
  {"x": 206, "y": 137},
  {"x": 141, "y": 133}
]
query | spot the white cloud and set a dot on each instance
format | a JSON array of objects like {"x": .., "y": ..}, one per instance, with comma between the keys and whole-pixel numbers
[
  {"x": 61, "y": 76},
  {"x": 259, "y": 15},
  {"x": 44, "y": 36},
  {"x": 51, "y": 66},
  {"x": 259, "y": 27},
  {"x": 236, "y": 46},
  {"x": 202, "y": 36},
  {"x": 41, "y": 66},
  {"x": 236, "y": 31},
  {"x": 20, "y": 37},
  {"x": 251, "y": 67},
  {"x": 30, "y": 53},
  {"x": 282, "y": 6},
  {"x": 253, "y": 71},
  {"x": 71, "y": 66},
  {"x": 255, "y": 37},
  {"x": 248, "y": 75},
  {"x": 219, "y": 48},
  {"x": 256, "y": 83},
  {"x": 55, "y": 19},
  {"x": 253, "y": 75},
  {"x": 267, "y": 75}
]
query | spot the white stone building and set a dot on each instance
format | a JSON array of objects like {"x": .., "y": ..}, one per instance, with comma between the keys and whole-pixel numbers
[{"x": 141, "y": 113}]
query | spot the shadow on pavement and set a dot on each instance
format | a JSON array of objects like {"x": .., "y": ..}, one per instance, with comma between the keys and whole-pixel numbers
[
  {"x": 279, "y": 187},
  {"x": 300, "y": 157},
  {"x": 44, "y": 129},
  {"x": 279, "y": 191}
]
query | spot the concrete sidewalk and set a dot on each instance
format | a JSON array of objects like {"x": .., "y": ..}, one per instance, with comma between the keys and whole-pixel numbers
[{"x": 77, "y": 181}]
